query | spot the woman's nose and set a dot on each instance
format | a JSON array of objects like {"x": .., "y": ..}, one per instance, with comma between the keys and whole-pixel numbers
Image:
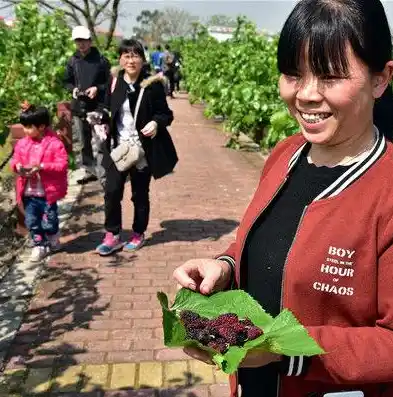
[{"x": 308, "y": 90}]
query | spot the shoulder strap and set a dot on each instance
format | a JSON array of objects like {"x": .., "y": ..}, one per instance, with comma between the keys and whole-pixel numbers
[
  {"x": 113, "y": 85},
  {"x": 138, "y": 104}
]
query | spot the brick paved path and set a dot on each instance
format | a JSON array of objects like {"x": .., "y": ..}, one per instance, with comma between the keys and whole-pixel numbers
[{"x": 95, "y": 324}]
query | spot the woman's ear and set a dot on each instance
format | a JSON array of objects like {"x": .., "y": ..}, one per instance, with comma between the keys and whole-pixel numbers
[{"x": 381, "y": 80}]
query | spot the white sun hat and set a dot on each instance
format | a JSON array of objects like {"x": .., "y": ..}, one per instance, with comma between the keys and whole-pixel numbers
[{"x": 81, "y": 32}]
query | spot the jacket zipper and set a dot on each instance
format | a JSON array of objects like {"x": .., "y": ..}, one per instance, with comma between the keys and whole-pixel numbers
[
  {"x": 283, "y": 277},
  {"x": 244, "y": 243},
  {"x": 290, "y": 248},
  {"x": 297, "y": 230}
]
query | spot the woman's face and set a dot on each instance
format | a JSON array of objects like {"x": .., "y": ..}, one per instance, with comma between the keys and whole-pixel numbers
[
  {"x": 334, "y": 109},
  {"x": 132, "y": 63}
]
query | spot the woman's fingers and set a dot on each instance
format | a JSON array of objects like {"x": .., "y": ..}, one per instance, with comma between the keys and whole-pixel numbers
[
  {"x": 211, "y": 276},
  {"x": 198, "y": 354},
  {"x": 182, "y": 276},
  {"x": 202, "y": 274}
]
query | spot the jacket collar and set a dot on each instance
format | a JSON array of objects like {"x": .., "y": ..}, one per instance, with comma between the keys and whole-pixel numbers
[{"x": 353, "y": 173}]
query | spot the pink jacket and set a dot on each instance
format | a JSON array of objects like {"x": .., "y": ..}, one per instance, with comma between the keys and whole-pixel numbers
[{"x": 52, "y": 156}]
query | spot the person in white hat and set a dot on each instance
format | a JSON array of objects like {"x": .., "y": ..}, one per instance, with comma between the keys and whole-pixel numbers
[{"x": 86, "y": 77}]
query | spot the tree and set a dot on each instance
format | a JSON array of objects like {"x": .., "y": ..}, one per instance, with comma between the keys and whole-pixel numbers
[
  {"x": 91, "y": 13},
  {"x": 151, "y": 26},
  {"x": 178, "y": 22},
  {"x": 222, "y": 20}
]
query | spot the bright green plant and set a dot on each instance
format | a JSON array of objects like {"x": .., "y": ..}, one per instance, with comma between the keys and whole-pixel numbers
[
  {"x": 238, "y": 79},
  {"x": 33, "y": 55}
]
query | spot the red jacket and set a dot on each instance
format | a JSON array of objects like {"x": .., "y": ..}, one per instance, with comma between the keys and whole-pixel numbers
[
  {"x": 54, "y": 160},
  {"x": 338, "y": 277}
]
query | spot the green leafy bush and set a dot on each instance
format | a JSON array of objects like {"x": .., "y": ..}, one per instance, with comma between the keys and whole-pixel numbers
[
  {"x": 238, "y": 79},
  {"x": 33, "y": 55}
]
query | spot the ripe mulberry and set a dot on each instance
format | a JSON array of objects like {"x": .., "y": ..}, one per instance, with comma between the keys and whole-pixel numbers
[
  {"x": 193, "y": 320},
  {"x": 224, "y": 319},
  {"x": 187, "y": 316},
  {"x": 247, "y": 322},
  {"x": 241, "y": 338},
  {"x": 228, "y": 334},
  {"x": 219, "y": 345},
  {"x": 220, "y": 333},
  {"x": 253, "y": 333}
]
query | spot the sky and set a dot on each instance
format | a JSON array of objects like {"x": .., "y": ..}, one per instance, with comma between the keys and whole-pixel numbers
[{"x": 269, "y": 14}]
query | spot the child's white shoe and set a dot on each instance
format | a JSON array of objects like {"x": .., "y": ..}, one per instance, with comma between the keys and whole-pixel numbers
[{"x": 38, "y": 253}]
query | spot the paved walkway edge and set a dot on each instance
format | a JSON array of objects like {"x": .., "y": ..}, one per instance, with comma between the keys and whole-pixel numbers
[{"x": 112, "y": 377}]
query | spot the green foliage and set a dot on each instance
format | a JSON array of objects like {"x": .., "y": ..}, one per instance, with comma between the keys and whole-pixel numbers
[
  {"x": 238, "y": 79},
  {"x": 33, "y": 55},
  {"x": 282, "y": 334}
]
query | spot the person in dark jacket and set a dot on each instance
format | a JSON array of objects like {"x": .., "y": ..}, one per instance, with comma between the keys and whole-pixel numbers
[
  {"x": 149, "y": 133},
  {"x": 86, "y": 77}
]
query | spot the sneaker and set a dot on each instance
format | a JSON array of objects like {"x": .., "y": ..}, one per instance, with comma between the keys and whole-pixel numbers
[
  {"x": 137, "y": 240},
  {"x": 38, "y": 253},
  {"x": 54, "y": 242},
  {"x": 110, "y": 244}
]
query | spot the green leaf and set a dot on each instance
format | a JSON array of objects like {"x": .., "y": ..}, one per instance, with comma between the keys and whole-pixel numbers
[
  {"x": 282, "y": 335},
  {"x": 287, "y": 336}
]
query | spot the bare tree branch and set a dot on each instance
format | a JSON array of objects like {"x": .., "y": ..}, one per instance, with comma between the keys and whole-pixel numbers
[
  {"x": 74, "y": 6},
  {"x": 112, "y": 27},
  {"x": 90, "y": 12},
  {"x": 103, "y": 6}
]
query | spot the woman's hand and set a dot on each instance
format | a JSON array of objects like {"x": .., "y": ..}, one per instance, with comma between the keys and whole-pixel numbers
[
  {"x": 150, "y": 129},
  {"x": 259, "y": 358},
  {"x": 254, "y": 358},
  {"x": 204, "y": 275}
]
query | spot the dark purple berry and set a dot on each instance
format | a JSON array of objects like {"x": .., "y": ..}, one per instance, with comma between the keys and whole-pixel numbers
[
  {"x": 224, "y": 319},
  {"x": 218, "y": 345},
  {"x": 241, "y": 338},
  {"x": 187, "y": 316},
  {"x": 247, "y": 322},
  {"x": 204, "y": 336},
  {"x": 228, "y": 334},
  {"x": 192, "y": 333},
  {"x": 253, "y": 333}
]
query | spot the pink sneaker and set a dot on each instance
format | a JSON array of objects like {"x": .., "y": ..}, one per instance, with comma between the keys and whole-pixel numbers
[
  {"x": 110, "y": 244},
  {"x": 136, "y": 241}
]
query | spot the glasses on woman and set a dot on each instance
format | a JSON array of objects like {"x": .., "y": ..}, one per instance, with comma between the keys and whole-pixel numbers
[{"x": 129, "y": 57}]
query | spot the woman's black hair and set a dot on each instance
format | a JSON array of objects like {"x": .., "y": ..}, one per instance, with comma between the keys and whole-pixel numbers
[
  {"x": 35, "y": 116},
  {"x": 131, "y": 46},
  {"x": 321, "y": 29}
]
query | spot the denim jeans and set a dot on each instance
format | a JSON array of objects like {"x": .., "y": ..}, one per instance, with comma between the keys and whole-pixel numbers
[{"x": 41, "y": 218}]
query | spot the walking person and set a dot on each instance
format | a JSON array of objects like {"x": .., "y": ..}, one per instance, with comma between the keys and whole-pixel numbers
[
  {"x": 40, "y": 161},
  {"x": 139, "y": 119},
  {"x": 168, "y": 67},
  {"x": 156, "y": 59},
  {"x": 317, "y": 237},
  {"x": 86, "y": 77},
  {"x": 177, "y": 75}
]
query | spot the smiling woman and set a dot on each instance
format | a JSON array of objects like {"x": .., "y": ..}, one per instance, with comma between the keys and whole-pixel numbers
[
  {"x": 137, "y": 138},
  {"x": 317, "y": 236}
]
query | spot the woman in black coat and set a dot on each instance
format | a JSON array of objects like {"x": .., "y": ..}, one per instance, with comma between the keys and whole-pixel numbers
[{"x": 149, "y": 133}]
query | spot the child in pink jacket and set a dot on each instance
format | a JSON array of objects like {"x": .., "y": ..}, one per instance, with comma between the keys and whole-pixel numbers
[{"x": 41, "y": 162}]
